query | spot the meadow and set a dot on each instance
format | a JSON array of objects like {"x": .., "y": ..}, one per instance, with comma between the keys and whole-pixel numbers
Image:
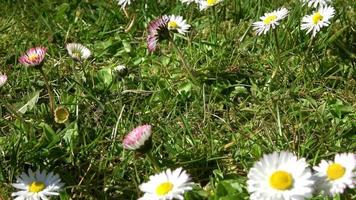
[{"x": 218, "y": 97}]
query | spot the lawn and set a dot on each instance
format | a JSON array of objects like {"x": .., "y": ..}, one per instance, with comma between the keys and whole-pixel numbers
[{"x": 217, "y": 97}]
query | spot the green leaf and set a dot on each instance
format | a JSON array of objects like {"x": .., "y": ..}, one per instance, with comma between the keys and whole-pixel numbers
[
  {"x": 30, "y": 103},
  {"x": 105, "y": 75}
]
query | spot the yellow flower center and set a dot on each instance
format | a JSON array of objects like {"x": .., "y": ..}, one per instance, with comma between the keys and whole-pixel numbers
[
  {"x": 33, "y": 57},
  {"x": 172, "y": 25},
  {"x": 37, "y": 187},
  {"x": 281, "y": 180},
  {"x": 164, "y": 188},
  {"x": 335, "y": 171},
  {"x": 61, "y": 115},
  {"x": 269, "y": 19},
  {"x": 211, "y": 2},
  {"x": 317, "y": 17}
]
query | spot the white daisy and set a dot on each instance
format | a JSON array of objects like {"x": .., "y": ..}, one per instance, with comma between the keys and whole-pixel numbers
[
  {"x": 189, "y": 1},
  {"x": 204, "y": 4},
  {"x": 37, "y": 185},
  {"x": 78, "y": 51},
  {"x": 178, "y": 23},
  {"x": 316, "y": 3},
  {"x": 166, "y": 185},
  {"x": 280, "y": 176},
  {"x": 334, "y": 176},
  {"x": 269, "y": 20},
  {"x": 313, "y": 23},
  {"x": 124, "y": 3}
]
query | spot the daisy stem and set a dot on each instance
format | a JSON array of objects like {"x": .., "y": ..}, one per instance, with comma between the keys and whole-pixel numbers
[
  {"x": 184, "y": 62},
  {"x": 49, "y": 90},
  {"x": 153, "y": 161}
]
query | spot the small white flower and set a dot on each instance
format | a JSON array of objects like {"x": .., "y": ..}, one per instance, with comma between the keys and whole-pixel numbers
[
  {"x": 178, "y": 23},
  {"x": 316, "y": 3},
  {"x": 313, "y": 23},
  {"x": 37, "y": 185},
  {"x": 3, "y": 79},
  {"x": 124, "y": 3},
  {"x": 204, "y": 4},
  {"x": 280, "y": 176},
  {"x": 166, "y": 185},
  {"x": 334, "y": 176},
  {"x": 120, "y": 68},
  {"x": 189, "y": 1},
  {"x": 78, "y": 51},
  {"x": 269, "y": 20}
]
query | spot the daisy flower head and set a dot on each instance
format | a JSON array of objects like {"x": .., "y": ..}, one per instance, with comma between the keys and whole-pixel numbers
[
  {"x": 177, "y": 23},
  {"x": 120, "y": 71},
  {"x": 157, "y": 30},
  {"x": 38, "y": 185},
  {"x": 3, "y": 79},
  {"x": 334, "y": 176},
  {"x": 314, "y": 22},
  {"x": 316, "y": 3},
  {"x": 204, "y": 4},
  {"x": 139, "y": 138},
  {"x": 33, "y": 57},
  {"x": 269, "y": 21},
  {"x": 280, "y": 176},
  {"x": 189, "y": 1},
  {"x": 78, "y": 51},
  {"x": 61, "y": 115},
  {"x": 166, "y": 185},
  {"x": 124, "y": 3}
]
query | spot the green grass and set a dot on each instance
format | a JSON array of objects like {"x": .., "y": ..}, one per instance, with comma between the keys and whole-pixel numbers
[{"x": 215, "y": 127}]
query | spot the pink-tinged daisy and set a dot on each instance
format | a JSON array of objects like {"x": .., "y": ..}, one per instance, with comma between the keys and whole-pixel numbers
[
  {"x": 157, "y": 30},
  {"x": 33, "y": 56},
  {"x": 166, "y": 185},
  {"x": 139, "y": 138},
  {"x": 313, "y": 23},
  {"x": 38, "y": 185},
  {"x": 3, "y": 79},
  {"x": 269, "y": 21},
  {"x": 333, "y": 177}
]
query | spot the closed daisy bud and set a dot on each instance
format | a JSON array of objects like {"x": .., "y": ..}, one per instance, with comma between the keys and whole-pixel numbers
[
  {"x": 139, "y": 139},
  {"x": 280, "y": 176},
  {"x": 78, "y": 51},
  {"x": 38, "y": 185},
  {"x": 157, "y": 30},
  {"x": 319, "y": 19},
  {"x": 166, "y": 185},
  {"x": 333, "y": 177},
  {"x": 33, "y": 57},
  {"x": 61, "y": 115},
  {"x": 120, "y": 71},
  {"x": 3, "y": 79}
]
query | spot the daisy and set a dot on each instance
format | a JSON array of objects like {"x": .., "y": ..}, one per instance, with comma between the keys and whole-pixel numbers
[
  {"x": 3, "y": 79},
  {"x": 166, "y": 185},
  {"x": 37, "y": 185},
  {"x": 33, "y": 57},
  {"x": 204, "y": 4},
  {"x": 189, "y": 1},
  {"x": 269, "y": 20},
  {"x": 313, "y": 23},
  {"x": 280, "y": 176},
  {"x": 139, "y": 138},
  {"x": 334, "y": 176},
  {"x": 121, "y": 71},
  {"x": 157, "y": 30},
  {"x": 316, "y": 3},
  {"x": 177, "y": 23},
  {"x": 78, "y": 51},
  {"x": 124, "y": 3},
  {"x": 61, "y": 115}
]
